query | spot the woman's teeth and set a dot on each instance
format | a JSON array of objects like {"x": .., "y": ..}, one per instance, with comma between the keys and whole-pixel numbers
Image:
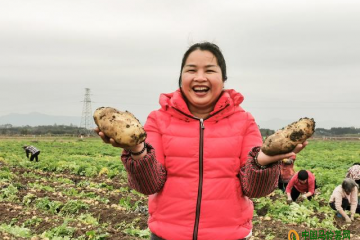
[{"x": 200, "y": 89}]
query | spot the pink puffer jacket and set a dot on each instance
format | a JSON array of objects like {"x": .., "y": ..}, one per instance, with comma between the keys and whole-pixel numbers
[{"x": 202, "y": 197}]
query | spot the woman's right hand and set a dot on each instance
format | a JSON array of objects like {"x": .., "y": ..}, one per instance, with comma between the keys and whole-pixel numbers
[
  {"x": 107, "y": 139},
  {"x": 264, "y": 159},
  {"x": 111, "y": 141}
]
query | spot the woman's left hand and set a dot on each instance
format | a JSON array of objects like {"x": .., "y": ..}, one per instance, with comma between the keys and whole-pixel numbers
[{"x": 264, "y": 159}]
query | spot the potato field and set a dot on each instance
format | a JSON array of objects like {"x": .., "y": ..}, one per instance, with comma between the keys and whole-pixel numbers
[{"x": 78, "y": 190}]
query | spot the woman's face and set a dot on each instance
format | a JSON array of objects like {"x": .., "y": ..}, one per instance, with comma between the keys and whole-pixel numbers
[
  {"x": 348, "y": 191},
  {"x": 201, "y": 81},
  {"x": 303, "y": 181}
]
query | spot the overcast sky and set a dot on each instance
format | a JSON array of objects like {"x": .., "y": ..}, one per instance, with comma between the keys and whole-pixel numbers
[{"x": 290, "y": 59}]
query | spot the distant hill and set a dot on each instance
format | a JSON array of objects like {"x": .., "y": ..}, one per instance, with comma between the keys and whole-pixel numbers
[{"x": 36, "y": 119}]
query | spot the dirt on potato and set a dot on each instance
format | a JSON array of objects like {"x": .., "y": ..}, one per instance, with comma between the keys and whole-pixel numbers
[
  {"x": 123, "y": 127},
  {"x": 286, "y": 139}
]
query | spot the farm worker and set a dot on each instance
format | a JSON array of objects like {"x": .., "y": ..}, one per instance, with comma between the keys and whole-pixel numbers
[
  {"x": 345, "y": 197},
  {"x": 286, "y": 172},
  {"x": 33, "y": 151},
  {"x": 303, "y": 182},
  {"x": 354, "y": 173},
  {"x": 201, "y": 162}
]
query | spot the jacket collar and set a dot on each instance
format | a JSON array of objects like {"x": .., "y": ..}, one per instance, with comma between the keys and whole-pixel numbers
[{"x": 228, "y": 103}]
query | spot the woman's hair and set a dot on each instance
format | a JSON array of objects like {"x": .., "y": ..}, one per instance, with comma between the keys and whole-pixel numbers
[
  {"x": 206, "y": 46},
  {"x": 356, "y": 164},
  {"x": 303, "y": 175},
  {"x": 348, "y": 184}
]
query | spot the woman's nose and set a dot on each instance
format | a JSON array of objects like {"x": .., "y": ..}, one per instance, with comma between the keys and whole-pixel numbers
[{"x": 200, "y": 76}]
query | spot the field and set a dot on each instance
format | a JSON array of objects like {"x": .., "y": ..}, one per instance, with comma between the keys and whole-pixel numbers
[{"x": 79, "y": 190}]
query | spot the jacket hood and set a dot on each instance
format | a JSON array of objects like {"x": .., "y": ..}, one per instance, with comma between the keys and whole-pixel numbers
[{"x": 228, "y": 103}]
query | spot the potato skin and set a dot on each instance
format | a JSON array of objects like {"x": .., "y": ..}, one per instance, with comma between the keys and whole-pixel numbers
[
  {"x": 123, "y": 127},
  {"x": 286, "y": 139}
]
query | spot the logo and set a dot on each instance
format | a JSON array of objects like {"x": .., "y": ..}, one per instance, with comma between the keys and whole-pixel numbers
[{"x": 293, "y": 235}]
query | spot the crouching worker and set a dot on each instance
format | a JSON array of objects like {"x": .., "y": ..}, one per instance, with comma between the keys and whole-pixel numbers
[
  {"x": 354, "y": 173},
  {"x": 33, "y": 151},
  {"x": 286, "y": 172},
  {"x": 345, "y": 197},
  {"x": 303, "y": 183}
]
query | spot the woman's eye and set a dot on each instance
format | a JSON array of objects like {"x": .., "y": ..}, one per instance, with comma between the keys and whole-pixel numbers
[{"x": 191, "y": 70}]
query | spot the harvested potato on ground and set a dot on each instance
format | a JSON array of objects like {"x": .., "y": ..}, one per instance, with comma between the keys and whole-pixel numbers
[
  {"x": 286, "y": 139},
  {"x": 123, "y": 127}
]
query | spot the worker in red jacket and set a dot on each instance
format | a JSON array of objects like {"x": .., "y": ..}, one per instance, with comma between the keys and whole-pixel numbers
[
  {"x": 303, "y": 182},
  {"x": 286, "y": 172}
]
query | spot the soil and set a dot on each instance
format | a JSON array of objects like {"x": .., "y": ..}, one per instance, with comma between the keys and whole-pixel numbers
[{"x": 116, "y": 217}]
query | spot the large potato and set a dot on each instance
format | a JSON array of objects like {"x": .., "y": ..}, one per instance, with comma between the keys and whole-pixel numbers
[
  {"x": 286, "y": 139},
  {"x": 123, "y": 127}
]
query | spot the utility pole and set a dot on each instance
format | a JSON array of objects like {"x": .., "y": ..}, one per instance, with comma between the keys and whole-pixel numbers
[{"x": 86, "y": 118}]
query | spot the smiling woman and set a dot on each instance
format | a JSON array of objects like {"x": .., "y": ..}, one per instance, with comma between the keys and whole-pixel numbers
[{"x": 202, "y": 161}]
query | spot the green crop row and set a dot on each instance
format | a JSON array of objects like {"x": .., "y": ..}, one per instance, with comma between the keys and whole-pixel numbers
[{"x": 85, "y": 158}]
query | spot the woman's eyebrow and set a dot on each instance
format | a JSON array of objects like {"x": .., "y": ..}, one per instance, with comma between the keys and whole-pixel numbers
[
  {"x": 193, "y": 65},
  {"x": 209, "y": 66}
]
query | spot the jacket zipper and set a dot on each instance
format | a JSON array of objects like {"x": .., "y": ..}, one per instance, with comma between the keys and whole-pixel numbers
[
  {"x": 201, "y": 167},
  {"x": 198, "y": 202}
]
